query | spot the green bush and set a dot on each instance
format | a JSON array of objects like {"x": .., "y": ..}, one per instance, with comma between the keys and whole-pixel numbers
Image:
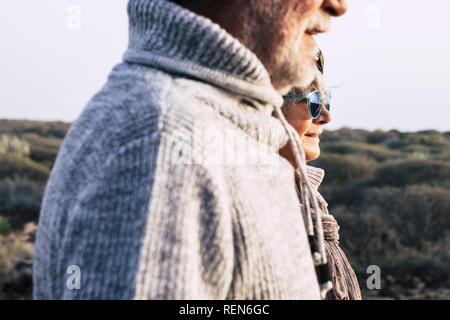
[
  {"x": 20, "y": 200},
  {"x": 55, "y": 129},
  {"x": 43, "y": 155},
  {"x": 406, "y": 231},
  {"x": 349, "y": 194},
  {"x": 5, "y": 227},
  {"x": 383, "y": 137},
  {"x": 12, "y": 165},
  {"x": 358, "y": 135},
  {"x": 430, "y": 142},
  {"x": 345, "y": 134},
  {"x": 443, "y": 156},
  {"x": 377, "y": 152},
  {"x": 424, "y": 264},
  {"x": 403, "y": 173},
  {"x": 343, "y": 169},
  {"x": 417, "y": 212},
  {"x": 365, "y": 235}
]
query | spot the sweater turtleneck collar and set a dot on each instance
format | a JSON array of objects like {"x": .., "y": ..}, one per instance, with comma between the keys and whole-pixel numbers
[
  {"x": 167, "y": 36},
  {"x": 315, "y": 176}
]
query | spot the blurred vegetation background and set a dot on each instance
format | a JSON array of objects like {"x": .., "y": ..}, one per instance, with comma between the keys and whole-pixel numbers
[
  {"x": 389, "y": 192},
  {"x": 27, "y": 152}
]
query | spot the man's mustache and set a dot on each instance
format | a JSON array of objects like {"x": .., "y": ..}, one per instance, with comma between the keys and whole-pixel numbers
[{"x": 319, "y": 23}]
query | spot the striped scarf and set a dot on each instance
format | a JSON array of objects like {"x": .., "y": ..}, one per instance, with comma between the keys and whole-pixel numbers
[{"x": 344, "y": 282}]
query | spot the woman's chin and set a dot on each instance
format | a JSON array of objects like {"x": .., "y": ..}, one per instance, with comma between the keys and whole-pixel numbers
[{"x": 312, "y": 153}]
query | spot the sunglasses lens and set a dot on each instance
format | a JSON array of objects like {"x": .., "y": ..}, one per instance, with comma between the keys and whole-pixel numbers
[
  {"x": 315, "y": 109},
  {"x": 315, "y": 105},
  {"x": 315, "y": 97}
]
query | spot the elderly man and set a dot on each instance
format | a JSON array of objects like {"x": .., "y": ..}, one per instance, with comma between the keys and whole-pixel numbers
[{"x": 144, "y": 203}]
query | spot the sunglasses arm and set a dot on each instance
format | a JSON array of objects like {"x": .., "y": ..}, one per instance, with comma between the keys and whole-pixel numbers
[{"x": 297, "y": 96}]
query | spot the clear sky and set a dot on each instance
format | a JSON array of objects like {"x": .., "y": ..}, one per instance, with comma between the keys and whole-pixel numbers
[{"x": 389, "y": 60}]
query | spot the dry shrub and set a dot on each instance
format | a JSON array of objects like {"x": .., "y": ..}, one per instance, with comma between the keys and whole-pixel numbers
[{"x": 16, "y": 254}]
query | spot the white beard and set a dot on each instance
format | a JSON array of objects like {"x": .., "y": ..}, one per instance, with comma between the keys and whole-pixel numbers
[{"x": 290, "y": 71}]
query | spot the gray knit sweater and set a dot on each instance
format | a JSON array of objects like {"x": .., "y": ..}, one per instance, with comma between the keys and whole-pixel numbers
[{"x": 169, "y": 184}]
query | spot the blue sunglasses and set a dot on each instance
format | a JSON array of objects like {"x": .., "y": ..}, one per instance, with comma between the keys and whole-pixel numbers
[{"x": 314, "y": 100}]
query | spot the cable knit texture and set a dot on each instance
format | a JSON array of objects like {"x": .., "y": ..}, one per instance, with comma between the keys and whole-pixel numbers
[{"x": 169, "y": 184}]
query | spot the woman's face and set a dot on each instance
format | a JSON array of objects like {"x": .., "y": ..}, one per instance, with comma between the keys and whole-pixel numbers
[{"x": 308, "y": 129}]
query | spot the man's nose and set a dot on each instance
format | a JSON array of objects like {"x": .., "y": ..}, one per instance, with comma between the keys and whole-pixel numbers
[{"x": 335, "y": 7}]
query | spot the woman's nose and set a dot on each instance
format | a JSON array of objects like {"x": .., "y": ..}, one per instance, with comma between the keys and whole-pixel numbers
[
  {"x": 324, "y": 118},
  {"x": 335, "y": 7}
]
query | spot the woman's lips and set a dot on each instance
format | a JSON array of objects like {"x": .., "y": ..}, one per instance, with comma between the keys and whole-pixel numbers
[{"x": 314, "y": 136}]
